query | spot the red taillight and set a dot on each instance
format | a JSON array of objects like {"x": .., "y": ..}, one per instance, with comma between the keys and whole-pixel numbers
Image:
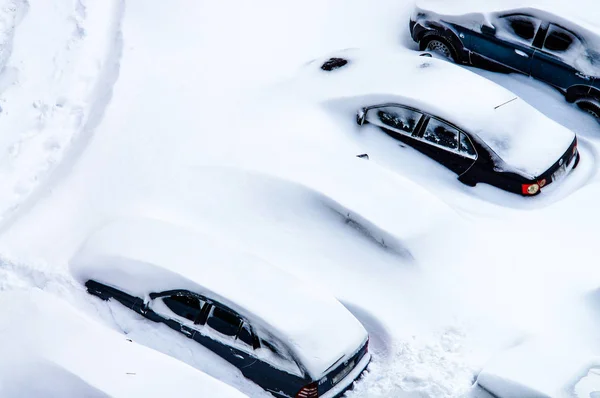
[
  {"x": 530, "y": 189},
  {"x": 575, "y": 147},
  {"x": 309, "y": 391}
]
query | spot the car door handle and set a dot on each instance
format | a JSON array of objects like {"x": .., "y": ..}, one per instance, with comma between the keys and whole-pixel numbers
[
  {"x": 238, "y": 356},
  {"x": 187, "y": 331},
  {"x": 522, "y": 53}
]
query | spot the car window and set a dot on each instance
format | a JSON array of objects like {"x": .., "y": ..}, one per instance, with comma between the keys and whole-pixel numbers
[
  {"x": 185, "y": 306},
  {"x": 441, "y": 134},
  {"x": 224, "y": 321},
  {"x": 245, "y": 335},
  {"x": 559, "y": 40},
  {"x": 519, "y": 28},
  {"x": 398, "y": 118},
  {"x": 466, "y": 147}
]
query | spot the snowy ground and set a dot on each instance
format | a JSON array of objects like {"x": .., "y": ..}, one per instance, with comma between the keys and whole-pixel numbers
[{"x": 178, "y": 110}]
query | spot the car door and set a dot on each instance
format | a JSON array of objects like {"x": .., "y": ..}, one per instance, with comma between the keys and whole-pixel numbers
[
  {"x": 510, "y": 42},
  {"x": 559, "y": 59},
  {"x": 213, "y": 326},
  {"x": 448, "y": 145},
  {"x": 395, "y": 120},
  {"x": 178, "y": 309},
  {"x": 224, "y": 327},
  {"x": 275, "y": 370}
]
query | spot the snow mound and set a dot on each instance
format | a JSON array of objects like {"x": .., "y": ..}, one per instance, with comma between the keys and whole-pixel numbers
[
  {"x": 51, "y": 350},
  {"x": 53, "y": 97},
  {"x": 538, "y": 368}
]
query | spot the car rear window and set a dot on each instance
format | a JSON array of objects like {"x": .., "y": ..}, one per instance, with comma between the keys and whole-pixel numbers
[
  {"x": 558, "y": 39},
  {"x": 441, "y": 134}
]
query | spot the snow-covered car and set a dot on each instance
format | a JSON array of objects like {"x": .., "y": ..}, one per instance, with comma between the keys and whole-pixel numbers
[
  {"x": 474, "y": 157},
  {"x": 552, "y": 42},
  {"x": 474, "y": 127},
  {"x": 285, "y": 335},
  {"x": 542, "y": 369}
]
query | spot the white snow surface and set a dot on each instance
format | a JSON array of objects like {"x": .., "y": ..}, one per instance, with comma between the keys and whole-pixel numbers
[
  {"x": 541, "y": 369},
  {"x": 523, "y": 137},
  {"x": 148, "y": 256},
  {"x": 78, "y": 357},
  {"x": 195, "y": 122}
]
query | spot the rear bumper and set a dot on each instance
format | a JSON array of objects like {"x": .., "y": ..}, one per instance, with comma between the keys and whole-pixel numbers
[
  {"x": 348, "y": 382},
  {"x": 562, "y": 168}
]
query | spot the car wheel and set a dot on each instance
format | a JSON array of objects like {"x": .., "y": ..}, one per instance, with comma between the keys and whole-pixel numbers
[
  {"x": 591, "y": 106},
  {"x": 439, "y": 46}
]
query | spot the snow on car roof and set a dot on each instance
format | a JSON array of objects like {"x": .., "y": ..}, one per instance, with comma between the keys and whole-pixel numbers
[
  {"x": 571, "y": 14},
  {"x": 527, "y": 140},
  {"x": 49, "y": 349},
  {"x": 145, "y": 256}
]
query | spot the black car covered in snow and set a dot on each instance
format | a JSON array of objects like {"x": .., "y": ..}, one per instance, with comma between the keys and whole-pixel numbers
[
  {"x": 554, "y": 41},
  {"x": 463, "y": 152},
  {"x": 286, "y": 336}
]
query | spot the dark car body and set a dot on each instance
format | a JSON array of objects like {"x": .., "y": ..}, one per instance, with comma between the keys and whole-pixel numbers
[
  {"x": 529, "y": 41},
  {"x": 464, "y": 153},
  {"x": 205, "y": 313}
]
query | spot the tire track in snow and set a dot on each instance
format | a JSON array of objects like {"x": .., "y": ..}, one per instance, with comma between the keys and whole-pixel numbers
[{"x": 84, "y": 72}]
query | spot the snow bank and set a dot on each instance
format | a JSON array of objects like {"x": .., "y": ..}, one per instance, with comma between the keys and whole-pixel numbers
[
  {"x": 55, "y": 86},
  {"x": 51, "y": 350},
  {"x": 523, "y": 137},
  {"x": 537, "y": 368},
  {"x": 145, "y": 256}
]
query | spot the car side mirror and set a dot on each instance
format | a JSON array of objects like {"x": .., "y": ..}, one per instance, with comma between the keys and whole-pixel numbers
[
  {"x": 361, "y": 117},
  {"x": 489, "y": 30}
]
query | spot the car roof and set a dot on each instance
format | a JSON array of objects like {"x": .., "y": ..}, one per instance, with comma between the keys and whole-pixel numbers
[
  {"x": 141, "y": 256},
  {"x": 525, "y": 139},
  {"x": 572, "y": 15}
]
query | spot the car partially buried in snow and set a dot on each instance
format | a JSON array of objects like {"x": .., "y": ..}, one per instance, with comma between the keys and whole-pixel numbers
[
  {"x": 551, "y": 41},
  {"x": 474, "y": 127},
  {"x": 286, "y": 336}
]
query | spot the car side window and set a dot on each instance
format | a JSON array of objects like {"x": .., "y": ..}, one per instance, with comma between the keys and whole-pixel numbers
[
  {"x": 245, "y": 335},
  {"x": 224, "y": 321},
  {"x": 441, "y": 134},
  {"x": 559, "y": 40},
  {"x": 519, "y": 28},
  {"x": 186, "y": 306},
  {"x": 466, "y": 147},
  {"x": 401, "y": 119}
]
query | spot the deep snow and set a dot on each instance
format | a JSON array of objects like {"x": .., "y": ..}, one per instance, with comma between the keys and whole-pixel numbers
[{"x": 196, "y": 128}]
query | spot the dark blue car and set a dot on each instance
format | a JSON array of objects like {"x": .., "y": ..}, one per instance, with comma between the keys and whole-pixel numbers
[{"x": 562, "y": 51}]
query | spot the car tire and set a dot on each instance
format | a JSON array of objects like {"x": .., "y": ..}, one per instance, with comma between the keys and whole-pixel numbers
[
  {"x": 591, "y": 106},
  {"x": 440, "y": 46}
]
